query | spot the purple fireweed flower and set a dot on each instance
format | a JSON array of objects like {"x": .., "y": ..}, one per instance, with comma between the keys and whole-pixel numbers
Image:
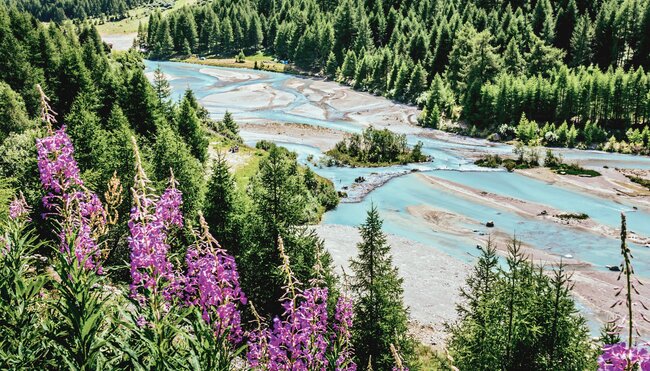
[
  {"x": 297, "y": 342},
  {"x": 343, "y": 323},
  {"x": 212, "y": 284},
  {"x": 149, "y": 225},
  {"x": 168, "y": 207},
  {"x": 18, "y": 208},
  {"x": 56, "y": 164},
  {"x": 82, "y": 213},
  {"x": 618, "y": 357}
]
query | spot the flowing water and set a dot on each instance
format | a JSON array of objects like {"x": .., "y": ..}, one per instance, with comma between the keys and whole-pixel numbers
[{"x": 412, "y": 190}]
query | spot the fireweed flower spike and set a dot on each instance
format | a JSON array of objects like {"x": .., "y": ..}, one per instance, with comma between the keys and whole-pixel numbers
[
  {"x": 79, "y": 211},
  {"x": 342, "y": 334},
  {"x": 625, "y": 356},
  {"x": 212, "y": 284},
  {"x": 151, "y": 271},
  {"x": 18, "y": 208},
  {"x": 300, "y": 340}
]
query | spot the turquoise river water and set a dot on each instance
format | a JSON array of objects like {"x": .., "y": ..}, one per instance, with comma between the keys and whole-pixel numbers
[{"x": 397, "y": 195}]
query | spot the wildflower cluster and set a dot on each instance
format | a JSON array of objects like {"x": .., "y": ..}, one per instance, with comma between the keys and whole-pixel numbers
[
  {"x": 150, "y": 222},
  {"x": 18, "y": 208},
  {"x": 212, "y": 284},
  {"x": 301, "y": 340},
  {"x": 82, "y": 215},
  {"x": 618, "y": 357}
]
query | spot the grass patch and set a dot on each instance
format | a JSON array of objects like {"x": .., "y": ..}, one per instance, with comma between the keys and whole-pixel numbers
[
  {"x": 428, "y": 359},
  {"x": 574, "y": 169},
  {"x": 641, "y": 181},
  {"x": 264, "y": 62},
  {"x": 137, "y": 15},
  {"x": 245, "y": 171}
]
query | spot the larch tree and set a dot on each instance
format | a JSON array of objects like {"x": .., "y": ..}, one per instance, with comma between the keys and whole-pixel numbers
[{"x": 381, "y": 318}]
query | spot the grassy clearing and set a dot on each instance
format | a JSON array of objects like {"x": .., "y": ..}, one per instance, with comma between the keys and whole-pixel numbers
[
  {"x": 136, "y": 16},
  {"x": 249, "y": 165},
  {"x": 429, "y": 359},
  {"x": 264, "y": 62},
  {"x": 641, "y": 181}
]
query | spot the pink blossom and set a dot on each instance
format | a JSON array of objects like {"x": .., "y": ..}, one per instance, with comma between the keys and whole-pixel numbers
[
  {"x": 56, "y": 164},
  {"x": 615, "y": 357},
  {"x": 18, "y": 208},
  {"x": 80, "y": 210},
  {"x": 149, "y": 225},
  {"x": 300, "y": 340},
  {"x": 212, "y": 284}
]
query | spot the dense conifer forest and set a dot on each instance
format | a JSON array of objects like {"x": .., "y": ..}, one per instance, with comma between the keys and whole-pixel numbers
[
  {"x": 58, "y": 10},
  {"x": 485, "y": 63},
  {"x": 128, "y": 242}
]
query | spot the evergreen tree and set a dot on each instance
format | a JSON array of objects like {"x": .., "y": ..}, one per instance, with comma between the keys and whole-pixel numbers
[
  {"x": 518, "y": 318},
  {"x": 279, "y": 207},
  {"x": 581, "y": 42},
  {"x": 223, "y": 210},
  {"x": 13, "y": 114},
  {"x": 380, "y": 316},
  {"x": 228, "y": 123},
  {"x": 140, "y": 105},
  {"x": 161, "y": 85},
  {"x": 349, "y": 67},
  {"x": 191, "y": 130},
  {"x": 171, "y": 154},
  {"x": 331, "y": 65},
  {"x": 417, "y": 83}
]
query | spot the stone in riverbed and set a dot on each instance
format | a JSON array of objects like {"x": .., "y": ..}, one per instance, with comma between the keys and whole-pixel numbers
[{"x": 613, "y": 268}]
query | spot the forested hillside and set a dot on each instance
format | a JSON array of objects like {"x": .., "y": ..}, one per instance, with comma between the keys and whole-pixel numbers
[
  {"x": 485, "y": 63},
  {"x": 128, "y": 242},
  {"x": 58, "y": 10}
]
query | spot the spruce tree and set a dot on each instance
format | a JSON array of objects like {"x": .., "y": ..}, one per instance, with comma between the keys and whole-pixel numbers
[
  {"x": 161, "y": 85},
  {"x": 581, "y": 42},
  {"x": 171, "y": 154},
  {"x": 140, "y": 105},
  {"x": 331, "y": 65},
  {"x": 279, "y": 199},
  {"x": 380, "y": 316},
  {"x": 222, "y": 206},
  {"x": 229, "y": 124},
  {"x": 191, "y": 129}
]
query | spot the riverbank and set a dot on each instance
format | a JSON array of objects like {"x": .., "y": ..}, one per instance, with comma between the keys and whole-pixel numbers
[{"x": 593, "y": 288}]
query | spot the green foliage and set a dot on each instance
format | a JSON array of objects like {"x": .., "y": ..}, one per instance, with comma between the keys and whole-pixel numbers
[
  {"x": 58, "y": 10},
  {"x": 240, "y": 58},
  {"x": 191, "y": 128},
  {"x": 380, "y": 316},
  {"x": 13, "y": 114},
  {"x": 171, "y": 155},
  {"x": 23, "y": 344},
  {"x": 224, "y": 211},
  {"x": 376, "y": 148},
  {"x": 281, "y": 205},
  {"x": 78, "y": 316},
  {"x": 518, "y": 317}
]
